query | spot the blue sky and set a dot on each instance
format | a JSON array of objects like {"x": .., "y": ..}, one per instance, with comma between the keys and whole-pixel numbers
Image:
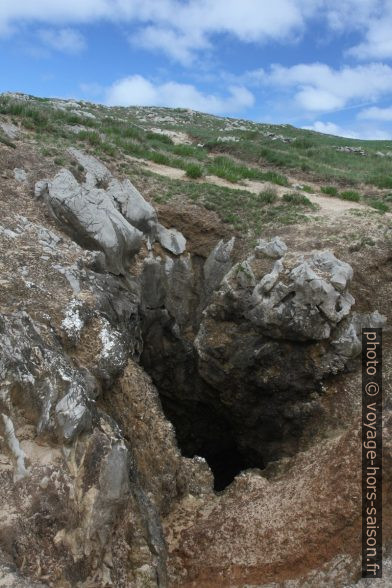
[{"x": 321, "y": 64}]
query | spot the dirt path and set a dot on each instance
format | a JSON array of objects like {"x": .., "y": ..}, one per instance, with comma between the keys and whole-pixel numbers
[{"x": 328, "y": 205}]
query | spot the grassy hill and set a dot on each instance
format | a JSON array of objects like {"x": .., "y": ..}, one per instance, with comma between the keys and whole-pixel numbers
[{"x": 287, "y": 164}]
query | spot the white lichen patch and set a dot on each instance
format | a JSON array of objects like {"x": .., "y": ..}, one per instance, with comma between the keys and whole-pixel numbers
[
  {"x": 109, "y": 339},
  {"x": 17, "y": 452},
  {"x": 72, "y": 323}
]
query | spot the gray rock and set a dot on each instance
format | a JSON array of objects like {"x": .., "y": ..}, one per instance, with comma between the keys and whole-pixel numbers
[
  {"x": 114, "y": 477},
  {"x": 179, "y": 287},
  {"x": 217, "y": 264},
  {"x": 20, "y": 175},
  {"x": 45, "y": 375},
  {"x": 40, "y": 188},
  {"x": 275, "y": 248},
  {"x": 152, "y": 283},
  {"x": 91, "y": 218},
  {"x": 72, "y": 415},
  {"x": 10, "y": 130},
  {"x": 96, "y": 172},
  {"x": 171, "y": 239},
  {"x": 275, "y": 330},
  {"x": 132, "y": 205},
  {"x": 306, "y": 304}
]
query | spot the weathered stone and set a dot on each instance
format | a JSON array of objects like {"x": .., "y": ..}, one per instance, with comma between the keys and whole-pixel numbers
[
  {"x": 91, "y": 218},
  {"x": 10, "y": 130},
  {"x": 72, "y": 415},
  {"x": 97, "y": 174},
  {"x": 20, "y": 175},
  {"x": 275, "y": 248},
  {"x": 171, "y": 239},
  {"x": 132, "y": 205},
  {"x": 217, "y": 264}
]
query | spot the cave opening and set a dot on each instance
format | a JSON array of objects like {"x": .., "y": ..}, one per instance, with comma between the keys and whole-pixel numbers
[
  {"x": 202, "y": 430},
  {"x": 204, "y": 425}
]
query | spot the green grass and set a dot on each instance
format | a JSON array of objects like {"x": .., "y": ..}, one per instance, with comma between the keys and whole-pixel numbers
[
  {"x": 228, "y": 169},
  {"x": 330, "y": 190},
  {"x": 119, "y": 132},
  {"x": 248, "y": 213},
  {"x": 267, "y": 197},
  {"x": 194, "y": 171},
  {"x": 382, "y": 181},
  {"x": 303, "y": 143},
  {"x": 159, "y": 137},
  {"x": 189, "y": 151},
  {"x": 350, "y": 195},
  {"x": 297, "y": 199},
  {"x": 91, "y": 137},
  {"x": 380, "y": 206}
]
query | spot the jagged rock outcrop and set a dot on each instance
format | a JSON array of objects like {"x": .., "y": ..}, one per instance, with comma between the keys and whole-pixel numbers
[
  {"x": 104, "y": 213},
  {"x": 278, "y": 326},
  {"x": 241, "y": 355},
  {"x": 92, "y": 220}
]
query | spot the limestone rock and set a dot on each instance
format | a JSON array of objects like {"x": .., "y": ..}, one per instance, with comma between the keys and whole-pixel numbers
[
  {"x": 20, "y": 175},
  {"x": 282, "y": 328},
  {"x": 171, "y": 239},
  {"x": 10, "y": 129},
  {"x": 132, "y": 205},
  {"x": 217, "y": 265},
  {"x": 275, "y": 248},
  {"x": 91, "y": 218},
  {"x": 97, "y": 173}
]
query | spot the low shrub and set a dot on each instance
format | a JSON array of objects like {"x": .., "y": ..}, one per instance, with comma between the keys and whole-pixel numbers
[
  {"x": 380, "y": 206},
  {"x": 267, "y": 197},
  {"x": 297, "y": 199},
  {"x": 350, "y": 195},
  {"x": 330, "y": 190},
  {"x": 194, "y": 171}
]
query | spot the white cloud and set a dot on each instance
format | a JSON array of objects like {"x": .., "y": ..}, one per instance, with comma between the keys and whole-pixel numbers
[
  {"x": 178, "y": 46},
  {"x": 64, "y": 40},
  {"x": 176, "y": 27},
  {"x": 378, "y": 40},
  {"x": 376, "y": 113},
  {"x": 330, "y": 128},
  {"x": 137, "y": 90},
  {"x": 365, "y": 133},
  {"x": 319, "y": 88},
  {"x": 181, "y": 28}
]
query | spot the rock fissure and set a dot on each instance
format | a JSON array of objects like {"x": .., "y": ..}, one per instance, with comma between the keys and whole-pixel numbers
[{"x": 152, "y": 376}]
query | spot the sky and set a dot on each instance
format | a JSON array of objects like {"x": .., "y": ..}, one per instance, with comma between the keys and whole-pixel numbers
[{"x": 319, "y": 64}]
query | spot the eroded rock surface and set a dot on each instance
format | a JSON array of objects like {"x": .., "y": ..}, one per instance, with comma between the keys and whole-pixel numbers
[{"x": 110, "y": 323}]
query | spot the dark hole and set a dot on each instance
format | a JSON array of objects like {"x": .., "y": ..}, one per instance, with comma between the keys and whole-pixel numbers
[
  {"x": 226, "y": 465},
  {"x": 201, "y": 430}
]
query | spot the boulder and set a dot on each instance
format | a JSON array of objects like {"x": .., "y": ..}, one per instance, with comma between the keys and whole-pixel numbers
[
  {"x": 171, "y": 239},
  {"x": 217, "y": 264},
  {"x": 20, "y": 175},
  {"x": 275, "y": 248},
  {"x": 89, "y": 215},
  {"x": 97, "y": 174},
  {"x": 132, "y": 205}
]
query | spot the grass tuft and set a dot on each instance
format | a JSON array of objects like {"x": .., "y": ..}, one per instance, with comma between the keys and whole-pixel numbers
[
  {"x": 330, "y": 190},
  {"x": 297, "y": 199},
  {"x": 350, "y": 195},
  {"x": 194, "y": 171},
  {"x": 380, "y": 206}
]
